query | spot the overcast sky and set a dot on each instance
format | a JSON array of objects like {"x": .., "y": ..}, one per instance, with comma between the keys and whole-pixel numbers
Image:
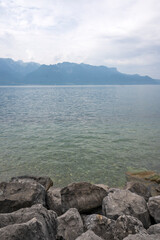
[{"x": 115, "y": 33}]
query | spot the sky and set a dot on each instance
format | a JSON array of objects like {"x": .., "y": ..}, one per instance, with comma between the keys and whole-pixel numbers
[{"x": 116, "y": 33}]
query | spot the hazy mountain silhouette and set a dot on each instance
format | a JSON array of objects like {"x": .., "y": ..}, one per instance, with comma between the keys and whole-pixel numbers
[{"x": 18, "y": 72}]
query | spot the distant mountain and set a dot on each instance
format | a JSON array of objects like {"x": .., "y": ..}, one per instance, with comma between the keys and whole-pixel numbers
[
  {"x": 20, "y": 73},
  {"x": 13, "y": 72}
]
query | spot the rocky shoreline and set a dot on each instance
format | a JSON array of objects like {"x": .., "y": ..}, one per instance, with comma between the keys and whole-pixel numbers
[{"x": 31, "y": 208}]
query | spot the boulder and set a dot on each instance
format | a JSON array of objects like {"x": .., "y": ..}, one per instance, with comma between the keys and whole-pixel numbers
[
  {"x": 44, "y": 181},
  {"x": 28, "y": 223},
  {"x": 26, "y": 231},
  {"x": 54, "y": 200},
  {"x": 16, "y": 195},
  {"x": 140, "y": 189},
  {"x": 126, "y": 225},
  {"x": 142, "y": 236},
  {"x": 83, "y": 196},
  {"x": 154, "y": 208},
  {"x": 100, "y": 225},
  {"x": 89, "y": 235},
  {"x": 124, "y": 202},
  {"x": 70, "y": 225},
  {"x": 154, "y": 229},
  {"x": 149, "y": 178}
]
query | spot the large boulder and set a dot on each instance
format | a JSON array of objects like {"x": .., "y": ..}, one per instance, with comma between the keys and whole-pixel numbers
[
  {"x": 44, "y": 181},
  {"x": 125, "y": 202},
  {"x": 140, "y": 189},
  {"x": 70, "y": 225},
  {"x": 16, "y": 195},
  {"x": 100, "y": 225},
  {"x": 126, "y": 225},
  {"x": 154, "y": 208},
  {"x": 26, "y": 231},
  {"x": 154, "y": 229},
  {"x": 89, "y": 235},
  {"x": 142, "y": 236},
  {"x": 83, "y": 196},
  {"x": 28, "y": 223},
  {"x": 54, "y": 200}
]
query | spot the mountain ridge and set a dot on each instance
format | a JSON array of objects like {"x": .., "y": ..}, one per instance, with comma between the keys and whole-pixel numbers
[{"x": 66, "y": 73}]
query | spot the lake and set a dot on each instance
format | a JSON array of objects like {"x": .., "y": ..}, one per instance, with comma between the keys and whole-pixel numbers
[{"x": 79, "y": 133}]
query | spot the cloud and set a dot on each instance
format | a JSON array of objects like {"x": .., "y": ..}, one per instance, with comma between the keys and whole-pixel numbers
[{"x": 124, "y": 34}]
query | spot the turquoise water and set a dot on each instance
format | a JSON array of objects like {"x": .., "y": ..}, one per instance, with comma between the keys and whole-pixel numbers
[{"x": 79, "y": 133}]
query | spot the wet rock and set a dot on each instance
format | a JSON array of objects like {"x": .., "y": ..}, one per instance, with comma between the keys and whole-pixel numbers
[
  {"x": 139, "y": 188},
  {"x": 28, "y": 223},
  {"x": 142, "y": 236},
  {"x": 83, "y": 196},
  {"x": 44, "y": 181},
  {"x": 154, "y": 208},
  {"x": 149, "y": 178},
  {"x": 70, "y": 225},
  {"x": 154, "y": 229},
  {"x": 54, "y": 200},
  {"x": 89, "y": 235},
  {"x": 126, "y": 225},
  {"x": 100, "y": 225},
  {"x": 15, "y": 195},
  {"x": 125, "y": 202}
]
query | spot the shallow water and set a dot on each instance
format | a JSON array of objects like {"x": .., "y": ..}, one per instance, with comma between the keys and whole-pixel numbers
[{"x": 79, "y": 133}]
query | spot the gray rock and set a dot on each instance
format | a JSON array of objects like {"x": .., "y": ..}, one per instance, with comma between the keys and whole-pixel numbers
[
  {"x": 89, "y": 235},
  {"x": 100, "y": 225},
  {"x": 83, "y": 196},
  {"x": 15, "y": 195},
  {"x": 70, "y": 225},
  {"x": 54, "y": 200},
  {"x": 28, "y": 223},
  {"x": 140, "y": 189},
  {"x": 142, "y": 236},
  {"x": 125, "y": 202},
  {"x": 44, "y": 181},
  {"x": 26, "y": 231},
  {"x": 154, "y": 208},
  {"x": 126, "y": 225},
  {"x": 154, "y": 229}
]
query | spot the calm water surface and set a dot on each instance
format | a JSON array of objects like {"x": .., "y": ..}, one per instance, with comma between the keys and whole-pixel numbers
[{"x": 79, "y": 133}]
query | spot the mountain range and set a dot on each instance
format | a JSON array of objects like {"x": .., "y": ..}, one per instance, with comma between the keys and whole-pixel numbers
[{"x": 66, "y": 73}]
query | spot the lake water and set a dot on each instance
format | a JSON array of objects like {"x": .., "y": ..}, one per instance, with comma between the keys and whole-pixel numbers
[{"x": 79, "y": 133}]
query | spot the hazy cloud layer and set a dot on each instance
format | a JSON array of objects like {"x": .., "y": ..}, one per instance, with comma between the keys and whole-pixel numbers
[{"x": 124, "y": 34}]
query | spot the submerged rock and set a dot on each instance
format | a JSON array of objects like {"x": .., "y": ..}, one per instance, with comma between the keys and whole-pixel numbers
[
  {"x": 16, "y": 195},
  {"x": 89, "y": 235},
  {"x": 28, "y": 223},
  {"x": 125, "y": 202},
  {"x": 154, "y": 208},
  {"x": 44, "y": 181},
  {"x": 70, "y": 225},
  {"x": 83, "y": 196},
  {"x": 54, "y": 200}
]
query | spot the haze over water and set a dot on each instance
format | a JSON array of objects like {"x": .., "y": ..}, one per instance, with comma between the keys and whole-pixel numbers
[{"x": 79, "y": 133}]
